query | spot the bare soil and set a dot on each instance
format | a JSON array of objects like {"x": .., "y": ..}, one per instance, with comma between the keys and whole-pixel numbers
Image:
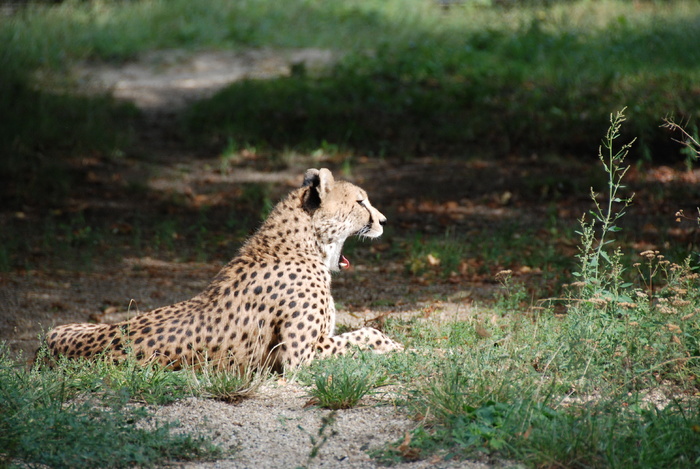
[{"x": 426, "y": 195}]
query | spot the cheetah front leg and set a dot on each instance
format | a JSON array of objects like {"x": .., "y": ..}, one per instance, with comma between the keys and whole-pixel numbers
[{"x": 365, "y": 338}]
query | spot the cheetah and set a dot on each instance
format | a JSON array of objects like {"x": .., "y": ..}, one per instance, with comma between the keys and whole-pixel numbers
[{"x": 271, "y": 306}]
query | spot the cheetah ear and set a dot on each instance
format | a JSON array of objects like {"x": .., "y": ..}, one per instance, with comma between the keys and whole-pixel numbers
[
  {"x": 320, "y": 182},
  {"x": 319, "y": 179},
  {"x": 310, "y": 177}
]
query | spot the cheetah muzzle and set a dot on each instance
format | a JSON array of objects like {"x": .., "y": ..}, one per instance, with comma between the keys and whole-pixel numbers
[{"x": 269, "y": 306}]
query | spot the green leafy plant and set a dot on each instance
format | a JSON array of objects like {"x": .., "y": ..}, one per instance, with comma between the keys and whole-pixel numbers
[
  {"x": 512, "y": 294},
  {"x": 471, "y": 423},
  {"x": 325, "y": 432},
  {"x": 612, "y": 325},
  {"x": 690, "y": 141},
  {"x": 476, "y": 404}
]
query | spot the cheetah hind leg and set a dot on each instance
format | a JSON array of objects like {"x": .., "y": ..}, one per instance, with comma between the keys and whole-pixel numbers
[{"x": 365, "y": 338}]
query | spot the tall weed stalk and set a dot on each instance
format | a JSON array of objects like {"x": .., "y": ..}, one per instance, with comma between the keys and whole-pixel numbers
[
  {"x": 626, "y": 335},
  {"x": 600, "y": 268}
]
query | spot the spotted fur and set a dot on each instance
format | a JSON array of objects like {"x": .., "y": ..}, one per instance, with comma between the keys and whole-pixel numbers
[{"x": 270, "y": 306}]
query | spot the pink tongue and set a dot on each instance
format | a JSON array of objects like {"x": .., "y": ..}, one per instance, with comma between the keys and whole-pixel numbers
[{"x": 344, "y": 262}]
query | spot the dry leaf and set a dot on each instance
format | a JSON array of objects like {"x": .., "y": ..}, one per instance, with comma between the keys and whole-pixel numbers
[
  {"x": 482, "y": 332},
  {"x": 406, "y": 442},
  {"x": 311, "y": 402}
]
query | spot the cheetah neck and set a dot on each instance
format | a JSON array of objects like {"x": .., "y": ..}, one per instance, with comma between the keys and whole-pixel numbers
[{"x": 289, "y": 233}]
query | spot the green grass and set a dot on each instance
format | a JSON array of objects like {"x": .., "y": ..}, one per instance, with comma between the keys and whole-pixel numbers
[
  {"x": 482, "y": 253},
  {"x": 99, "y": 414},
  {"x": 532, "y": 387},
  {"x": 576, "y": 391},
  {"x": 114, "y": 31},
  {"x": 642, "y": 436},
  {"x": 164, "y": 229},
  {"x": 45, "y": 134},
  {"x": 410, "y": 78},
  {"x": 531, "y": 76},
  {"x": 463, "y": 420},
  {"x": 340, "y": 383},
  {"x": 90, "y": 415},
  {"x": 613, "y": 383}
]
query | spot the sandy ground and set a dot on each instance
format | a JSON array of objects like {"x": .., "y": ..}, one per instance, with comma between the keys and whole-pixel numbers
[{"x": 275, "y": 430}]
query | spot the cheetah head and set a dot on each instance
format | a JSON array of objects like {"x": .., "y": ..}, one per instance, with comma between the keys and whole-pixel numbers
[{"x": 339, "y": 210}]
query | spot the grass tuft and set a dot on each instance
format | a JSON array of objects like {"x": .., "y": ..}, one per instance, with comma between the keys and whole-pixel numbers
[
  {"x": 340, "y": 383},
  {"x": 230, "y": 386}
]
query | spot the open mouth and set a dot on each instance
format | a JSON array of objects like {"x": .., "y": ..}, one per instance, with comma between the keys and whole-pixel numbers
[{"x": 343, "y": 263}]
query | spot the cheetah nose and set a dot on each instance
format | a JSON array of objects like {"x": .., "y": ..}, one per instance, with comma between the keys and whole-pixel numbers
[{"x": 382, "y": 221}]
